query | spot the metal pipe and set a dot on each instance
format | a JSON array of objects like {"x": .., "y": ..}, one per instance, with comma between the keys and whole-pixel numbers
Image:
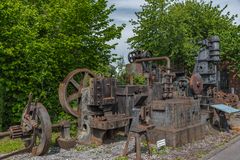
[
  {"x": 5, "y": 134},
  {"x": 62, "y": 124},
  {"x": 57, "y": 125},
  {"x": 155, "y": 59}
]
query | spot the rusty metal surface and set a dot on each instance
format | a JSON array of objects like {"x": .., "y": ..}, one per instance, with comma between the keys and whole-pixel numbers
[
  {"x": 102, "y": 91},
  {"x": 64, "y": 128},
  {"x": 64, "y": 140},
  {"x": 65, "y": 97},
  {"x": 167, "y": 83},
  {"x": 225, "y": 98},
  {"x": 130, "y": 96},
  {"x": 96, "y": 107},
  {"x": 196, "y": 83},
  {"x": 134, "y": 68},
  {"x": 66, "y": 143},
  {"x": 104, "y": 106},
  {"x": 178, "y": 114},
  {"x": 110, "y": 121},
  {"x": 16, "y": 131}
]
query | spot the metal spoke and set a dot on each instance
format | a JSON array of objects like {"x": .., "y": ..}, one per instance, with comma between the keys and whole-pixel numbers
[
  {"x": 66, "y": 95},
  {"x": 75, "y": 84},
  {"x": 74, "y": 96}
]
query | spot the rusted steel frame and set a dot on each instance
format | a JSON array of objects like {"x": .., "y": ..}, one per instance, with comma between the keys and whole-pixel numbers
[{"x": 156, "y": 59}]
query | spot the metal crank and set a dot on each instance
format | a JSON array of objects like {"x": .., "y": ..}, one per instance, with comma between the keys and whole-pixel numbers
[{"x": 35, "y": 130}]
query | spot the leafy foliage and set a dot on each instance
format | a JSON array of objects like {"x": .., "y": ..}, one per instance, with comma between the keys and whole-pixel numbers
[
  {"x": 139, "y": 79},
  {"x": 121, "y": 74},
  {"x": 41, "y": 41},
  {"x": 1, "y": 107},
  {"x": 173, "y": 28}
]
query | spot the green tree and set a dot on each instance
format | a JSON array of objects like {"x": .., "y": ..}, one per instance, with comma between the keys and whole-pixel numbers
[
  {"x": 172, "y": 28},
  {"x": 1, "y": 107},
  {"x": 120, "y": 74},
  {"x": 41, "y": 41}
]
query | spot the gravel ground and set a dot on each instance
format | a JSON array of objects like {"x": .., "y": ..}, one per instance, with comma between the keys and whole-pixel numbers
[{"x": 113, "y": 151}]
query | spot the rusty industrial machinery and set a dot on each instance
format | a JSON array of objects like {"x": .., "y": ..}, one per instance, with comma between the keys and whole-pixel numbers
[
  {"x": 35, "y": 130},
  {"x": 92, "y": 100},
  {"x": 164, "y": 101},
  {"x": 205, "y": 80},
  {"x": 165, "y": 106},
  {"x": 206, "y": 70},
  {"x": 173, "y": 110},
  {"x": 214, "y": 102}
]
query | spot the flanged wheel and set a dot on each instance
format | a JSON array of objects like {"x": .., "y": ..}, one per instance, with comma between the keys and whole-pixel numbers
[
  {"x": 196, "y": 83},
  {"x": 137, "y": 54},
  {"x": 39, "y": 119},
  {"x": 70, "y": 90},
  {"x": 132, "y": 56}
]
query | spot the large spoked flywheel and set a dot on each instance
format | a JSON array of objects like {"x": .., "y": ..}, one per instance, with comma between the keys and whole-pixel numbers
[{"x": 70, "y": 90}]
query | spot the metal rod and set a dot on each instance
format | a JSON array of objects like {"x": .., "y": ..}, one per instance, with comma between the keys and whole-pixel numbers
[
  {"x": 61, "y": 124},
  {"x": 5, "y": 134}
]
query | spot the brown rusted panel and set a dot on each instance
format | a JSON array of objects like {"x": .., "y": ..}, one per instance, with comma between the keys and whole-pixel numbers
[
  {"x": 110, "y": 123},
  {"x": 66, "y": 143},
  {"x": 103, "y": 91},
  {"x": 134, "y": 68},
  {"x": 130, "y": 96},
  {"x": 97, "y": 136},
  {"x": 129, "y": 90}
]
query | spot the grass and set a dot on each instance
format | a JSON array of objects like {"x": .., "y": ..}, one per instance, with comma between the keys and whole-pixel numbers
[
  {"x": 201, "y": 154},
  {"x": 179, "y": 158},
  {"x": 121, "y": 158},
  {"x": 162, "y": 151},
  {"x": 8, "y": 145},
  {"x": 82, "y": 148},
  {"x": 54, "y": 137}
]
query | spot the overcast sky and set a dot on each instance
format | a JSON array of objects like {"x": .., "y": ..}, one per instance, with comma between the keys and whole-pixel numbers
[{"x": 126, "y": 10}]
